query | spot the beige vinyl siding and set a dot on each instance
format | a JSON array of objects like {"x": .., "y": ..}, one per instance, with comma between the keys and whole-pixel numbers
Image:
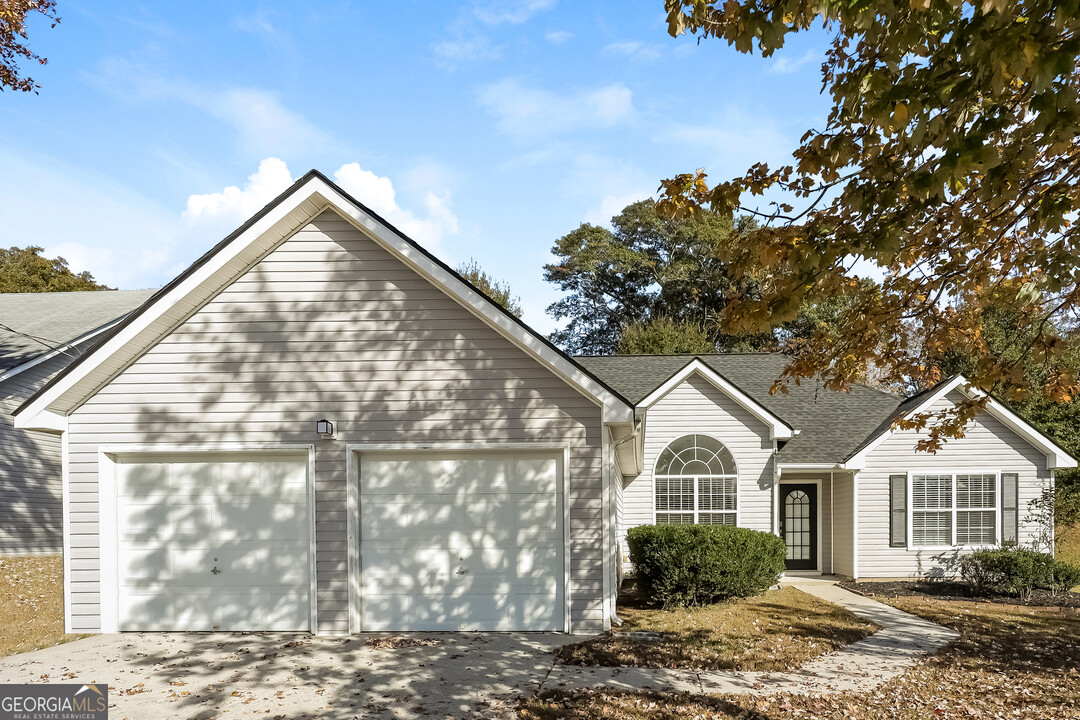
[
  {"x": 698, "y": 406},
  {"x": 31, "y": 513},
  {"x": 331, "y": 325},
  {"x": 988, "y": 445},
  {"x": 843, "y": 535}
]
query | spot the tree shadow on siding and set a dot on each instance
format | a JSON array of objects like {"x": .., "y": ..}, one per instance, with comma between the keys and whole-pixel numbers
[
  {"x": 31, "y": 512},
  {"x": 336, "y": 328}
]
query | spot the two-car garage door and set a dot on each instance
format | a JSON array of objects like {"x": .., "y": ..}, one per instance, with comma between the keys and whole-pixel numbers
[{"x": 444, "y": 541}]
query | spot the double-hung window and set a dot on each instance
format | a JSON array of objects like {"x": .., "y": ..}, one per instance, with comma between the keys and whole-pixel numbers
[
  {"x": 954, "y": 509},
  {"x": 696, "y": 483}
]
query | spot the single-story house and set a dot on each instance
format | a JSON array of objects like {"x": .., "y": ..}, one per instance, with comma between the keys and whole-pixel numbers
[
  {"x": 319, "y": 426},
  {"x": 40, "y": 333}
]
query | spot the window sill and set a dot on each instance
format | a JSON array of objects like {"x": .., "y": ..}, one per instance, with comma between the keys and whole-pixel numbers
[{"x": 972, "y": 548}]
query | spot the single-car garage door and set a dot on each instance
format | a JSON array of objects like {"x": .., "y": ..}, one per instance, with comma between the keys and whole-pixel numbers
[
  {"x": 461, "y": 541},
  {"x": 213, "y": 542}
]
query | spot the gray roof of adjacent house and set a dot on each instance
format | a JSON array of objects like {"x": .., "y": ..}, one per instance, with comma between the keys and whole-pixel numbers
[
  {"x": 35, "y": 324},
  {"x": 832, "y": 425}
]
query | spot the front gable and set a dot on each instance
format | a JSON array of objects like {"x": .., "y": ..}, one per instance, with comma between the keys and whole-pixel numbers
[
  {"x": 234, "y": 256},
  {"x": 987, "y": 443},
  {"x": 330, "y": 322},
  {"x": 947, "y": 395}
]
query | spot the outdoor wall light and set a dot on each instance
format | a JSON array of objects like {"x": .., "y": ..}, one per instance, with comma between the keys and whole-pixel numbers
[{"x": 325, "y": 428}]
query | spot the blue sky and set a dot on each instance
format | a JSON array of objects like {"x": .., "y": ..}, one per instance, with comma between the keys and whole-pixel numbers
[{"x": 484, "y": 129}]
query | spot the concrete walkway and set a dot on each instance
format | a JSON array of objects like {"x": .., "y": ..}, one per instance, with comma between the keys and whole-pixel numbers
[{"x": 862, "y": 666}]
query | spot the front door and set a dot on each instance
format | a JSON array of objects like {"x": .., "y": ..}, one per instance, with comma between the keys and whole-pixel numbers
[{"x": 798, "y": 525}]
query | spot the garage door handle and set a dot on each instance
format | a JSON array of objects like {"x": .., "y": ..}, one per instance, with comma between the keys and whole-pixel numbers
[
  {"x": 462, "y": 571},
  {"x": 216, "y": 571}
]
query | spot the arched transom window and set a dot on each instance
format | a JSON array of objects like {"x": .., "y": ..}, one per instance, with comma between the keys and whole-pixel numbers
[{"x": 696, "y": 482}]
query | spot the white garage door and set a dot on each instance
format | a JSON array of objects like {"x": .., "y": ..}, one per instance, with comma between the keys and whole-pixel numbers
[
  {"x": 213, "y": 543},
  {"x": 461, "y": 541}
]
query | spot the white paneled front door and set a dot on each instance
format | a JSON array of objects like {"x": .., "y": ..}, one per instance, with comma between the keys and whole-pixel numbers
[
  {"x": 213, "y": 543},
  {"x": 461, "y": 541}
]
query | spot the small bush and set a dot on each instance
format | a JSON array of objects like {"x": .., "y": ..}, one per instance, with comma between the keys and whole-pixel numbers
[
  {"x": 686, "y": 565},
  {"x": 1016, "y": 572}
]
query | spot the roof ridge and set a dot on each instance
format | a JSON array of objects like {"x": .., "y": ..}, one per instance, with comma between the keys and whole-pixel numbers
[{"x": 684, "y": 355}]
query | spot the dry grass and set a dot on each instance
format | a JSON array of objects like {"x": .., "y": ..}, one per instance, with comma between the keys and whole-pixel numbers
[
  {"x": 780, "y": 630},
  {"x": 1006, "y": 664},
  {"x": 1068, "y": 544},
  {"x": 31, "y": 603}
]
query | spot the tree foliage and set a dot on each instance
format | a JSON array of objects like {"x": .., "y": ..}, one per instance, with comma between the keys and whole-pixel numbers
[
  {"x": 24, "y": 270},
  {"x": 949, "y": 158},
  {"x": 644, "y": 269},
  {"x": 13, "y": 39},
  {"x": 664, "y": 336},
  {"x": 497, "y": 290},
  {"x": 1006, "y": 334}
]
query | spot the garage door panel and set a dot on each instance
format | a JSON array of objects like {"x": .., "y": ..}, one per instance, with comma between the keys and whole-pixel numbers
[
  {"x": 458, "y": 473},
  {"x": 450, "y": 586},
  {"x": 389, "y": 559},
  {"x": 472, "y": 612},
  {"x": 522, "y": 518},
  {"x": 214, "y": 544},
  {"x": 262, "y": 519},
  {"x": 461, "y": 541}
]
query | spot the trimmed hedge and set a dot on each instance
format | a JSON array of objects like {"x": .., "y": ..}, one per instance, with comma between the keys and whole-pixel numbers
[
  {"x": 684, "y": 565},
  {"x": 1016, "y": 572}
]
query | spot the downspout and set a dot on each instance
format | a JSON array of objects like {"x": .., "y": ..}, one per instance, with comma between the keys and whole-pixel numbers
[
  {"x": 615, "y": 619},
  {"x": 773, "y": 500}
]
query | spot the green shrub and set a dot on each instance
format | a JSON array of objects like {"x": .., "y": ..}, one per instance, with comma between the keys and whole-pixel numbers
[
  {"x": 1016, "y": 572},
  {"x": 684, "y": 565}
]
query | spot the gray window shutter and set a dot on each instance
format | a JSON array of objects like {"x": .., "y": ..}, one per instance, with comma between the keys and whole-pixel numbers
[
  {"x": 1010, "y": 511},
  {"x": 898, "y": 511}
]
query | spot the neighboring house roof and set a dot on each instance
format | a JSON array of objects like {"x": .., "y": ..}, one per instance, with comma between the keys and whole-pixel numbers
[
  {"x": 35, "y": 325},
  {"x": 830, "y": 424},
  {"x": 299, "y": 204}
]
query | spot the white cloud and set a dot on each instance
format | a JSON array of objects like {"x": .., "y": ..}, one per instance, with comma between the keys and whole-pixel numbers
[
  {"x": 786, "y": 66},
  {"x": 237, "y": 205},
  {"x": 612, "y": 205},
  {"x": 262, "y": 122},
  {"x": 558, "y": 37},
  {"x": 233, "y": 205},
  {"x": 467, "y": 38},
  {"x": 512, "y": 12},
  {"x": 732, "y": 142},
  {"x": 526, "y": 113},
  {"x": 634, "y": 50},
  {"x": 606, "y": 184},
  {"x": 466, "y": 48},
  {"x": 378, "y": 194}
]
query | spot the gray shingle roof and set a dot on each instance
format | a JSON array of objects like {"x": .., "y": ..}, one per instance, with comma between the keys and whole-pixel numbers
[
  {"x": 831, "y": 425},
  {"x": 33, "y": 324}
]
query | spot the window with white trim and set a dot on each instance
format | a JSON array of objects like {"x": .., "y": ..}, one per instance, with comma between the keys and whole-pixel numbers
[
  {"x": 954, "y": 509},
  {"x": 696, "y": 482}
]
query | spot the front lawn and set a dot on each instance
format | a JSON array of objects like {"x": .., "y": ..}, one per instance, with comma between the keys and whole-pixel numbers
[
  {"x": 31, "y": 603},
  {"x": 1017, "y": 664},
  {"x": 780, "y": 630}
]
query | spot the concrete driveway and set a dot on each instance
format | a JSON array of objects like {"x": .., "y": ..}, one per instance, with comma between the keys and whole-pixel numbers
[{"x": 275, "y": 675}]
